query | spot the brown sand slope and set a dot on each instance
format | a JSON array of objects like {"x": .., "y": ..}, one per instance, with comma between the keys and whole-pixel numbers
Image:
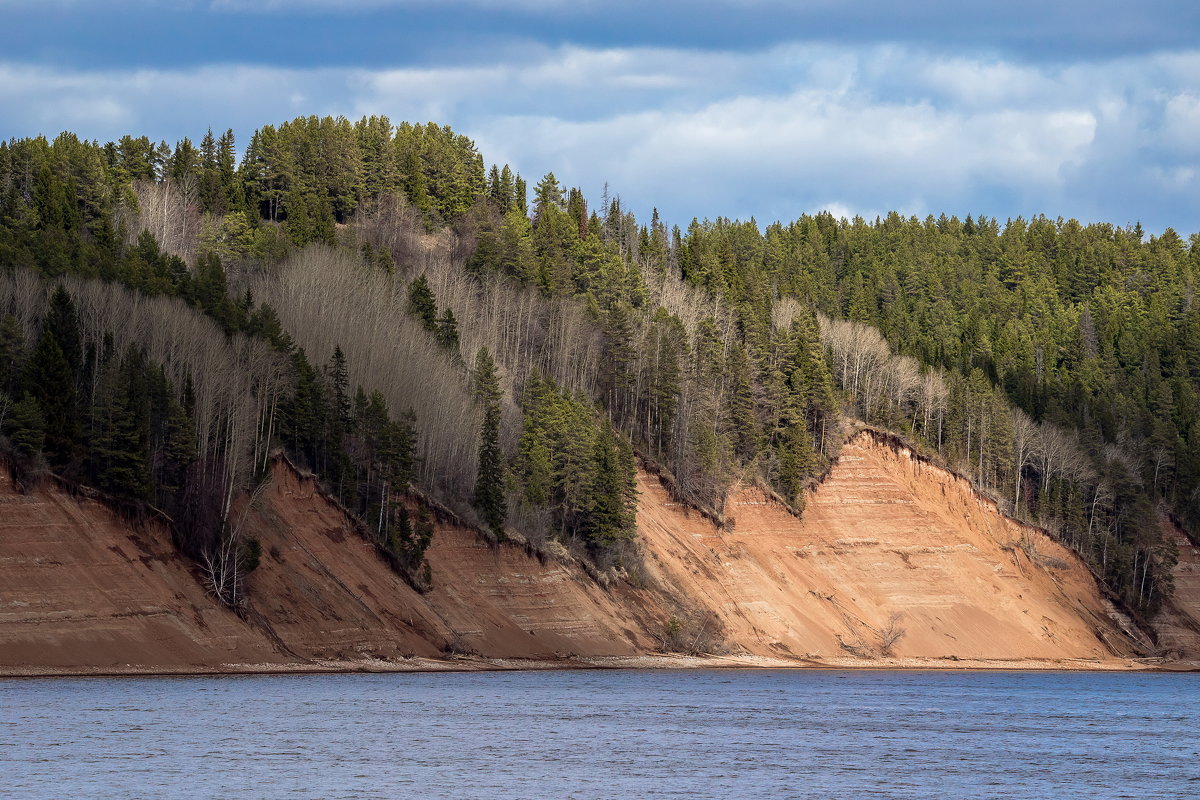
[
  {"x": 80, "y": 587},
  {"x": 323, "y": 591},
  {"x": 885, "y": 537},
  {"x": 1178, "y": 626}
]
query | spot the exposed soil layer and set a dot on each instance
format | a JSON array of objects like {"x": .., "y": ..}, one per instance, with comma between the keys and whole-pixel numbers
[
  {"x": 83, "y": 590},
  {"x": 324, "y": 593},
  {"x": 893, "y": 555},
  {"x": 1178, "y": 626},
  {"x": 890, "y": 548},
  {"x": 81, "y": 587}
]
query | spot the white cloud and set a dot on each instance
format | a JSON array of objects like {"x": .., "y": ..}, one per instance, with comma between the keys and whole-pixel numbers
[{"x": 771, "y": 134}]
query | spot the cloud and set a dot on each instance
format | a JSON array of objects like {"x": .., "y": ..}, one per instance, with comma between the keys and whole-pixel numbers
[
  {"x": 383, "y": 33},
  {"x": 770, "y": 134},
  {"x": 357, "y": 6}
]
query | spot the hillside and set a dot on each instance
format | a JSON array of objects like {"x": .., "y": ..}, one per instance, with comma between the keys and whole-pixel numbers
[
  {"x": 1179, "y": 626},
  {"x": 82, "y": 590},
  {"x": 371, "y": 301},
  {"x": 886, "y": 543}
]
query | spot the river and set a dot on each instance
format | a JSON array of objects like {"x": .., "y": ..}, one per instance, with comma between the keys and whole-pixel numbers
[{"x": 605, "y": 734}]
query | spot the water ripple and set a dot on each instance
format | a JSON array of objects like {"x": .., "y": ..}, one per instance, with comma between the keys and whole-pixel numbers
[{"x": 604, "y": 734}]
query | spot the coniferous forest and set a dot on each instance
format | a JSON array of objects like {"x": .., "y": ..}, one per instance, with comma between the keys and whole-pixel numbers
[{"x": 391, "y": 313}]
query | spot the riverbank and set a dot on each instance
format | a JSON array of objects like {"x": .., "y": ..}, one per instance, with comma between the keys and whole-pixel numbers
[
  {"x": 893, "y": 555},
  {"x": 663, "y": 661}
]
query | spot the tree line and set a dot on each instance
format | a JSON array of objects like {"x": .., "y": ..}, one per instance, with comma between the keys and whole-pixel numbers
[{"x": 1055, "y": 363}]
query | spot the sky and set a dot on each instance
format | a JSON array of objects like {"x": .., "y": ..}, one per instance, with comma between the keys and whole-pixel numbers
[{"x": 738, "y": 108}]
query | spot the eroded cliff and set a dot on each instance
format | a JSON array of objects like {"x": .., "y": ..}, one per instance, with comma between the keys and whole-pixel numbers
[
  {"x": 1178, "y": 626},
  {"x": 892, "y": 555},
  {"x": 894, "y": 562}
]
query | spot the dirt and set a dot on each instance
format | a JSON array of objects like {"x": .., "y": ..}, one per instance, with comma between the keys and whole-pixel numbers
[
  {"x": 1178, "y": 626},
  {"x": 81, "y": 587},
  {"x": 889, "y": 548},
  {"x": 82, "y": 590},
  {"x": 325, "y": 593}
]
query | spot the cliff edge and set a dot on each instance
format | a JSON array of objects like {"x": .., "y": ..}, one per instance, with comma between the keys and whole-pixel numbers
[{"x": 896, "y": 562}]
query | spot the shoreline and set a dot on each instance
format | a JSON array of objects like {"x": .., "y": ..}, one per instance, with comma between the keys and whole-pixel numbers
[{"x": 655, "y": 662}]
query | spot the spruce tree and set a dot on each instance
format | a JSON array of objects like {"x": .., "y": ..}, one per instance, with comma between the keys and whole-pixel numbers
[
  {"x": 51, "y": 382},
  {"x": 25, "y": 427},
  {"x": 447, "y": 331},
  {"x": 119, "y": 454},
  {"x": 611, "y": 511},
  {"x": 12, "y": 347},
  {"x": 489, "y": 483},
  {"x": 422, "y": 304},
  {"x": 337, "y": 425},
  {"x": 63, "y": 324}
]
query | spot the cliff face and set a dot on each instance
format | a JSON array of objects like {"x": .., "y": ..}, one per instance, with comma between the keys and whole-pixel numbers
[
  {"x": 323, "y": 591},
  {"x": 889, "y": 548},
  {"x": 1178, "y": 626},
  {"x": 79, "y": 587}
]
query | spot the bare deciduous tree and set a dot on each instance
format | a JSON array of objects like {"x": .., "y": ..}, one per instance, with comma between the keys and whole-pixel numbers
[
  {"x": 1025, "y": 436},
  {"x": 169, "y": 211}
]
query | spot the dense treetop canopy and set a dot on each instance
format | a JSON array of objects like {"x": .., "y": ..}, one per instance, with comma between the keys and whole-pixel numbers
[{"x": 1056, "y": 363}]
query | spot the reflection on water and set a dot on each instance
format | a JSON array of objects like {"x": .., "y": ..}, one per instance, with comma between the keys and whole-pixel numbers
[{"x": 605, "y": 734}]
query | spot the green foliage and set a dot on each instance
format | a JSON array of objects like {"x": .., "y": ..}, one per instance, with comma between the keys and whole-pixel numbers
[
  {"x": 447, "y": 331},
  {"x": 1093, "y": 330},
  {"x": 51, "y": 382},
  {"x": 571, "y": 461},
  {"x": 408, "y": 540},
  {"x": 422, "y": 304},
  {"x": 119, "y": 452},
  {"x": 12, "y": 353},
  {"x": 489, "y": 482},
  {"x": 25, "y": 426},
  {"x": 1087, "y": 327},
  {"x": 611, "y": 514}
]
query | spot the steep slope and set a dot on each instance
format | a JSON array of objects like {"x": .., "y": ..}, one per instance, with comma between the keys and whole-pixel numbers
[
  {"x": 887, "y": 545},
  {"x": 81, "y": 587},
  {"x": 1178, "y": 626},
  {"x": 323, "y": 592}
]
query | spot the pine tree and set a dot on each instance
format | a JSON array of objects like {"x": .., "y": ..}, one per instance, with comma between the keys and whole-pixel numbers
[
  {"x": 338, "y": 424},
  {"x": 51, "y": 382},
  {"x": 422, "y": 304},
  {"x": 211, "y": 290},
  {"x": 447, "y": 331},
  {"x": 521, "y": 196},
  {"x": 25, "y": 427},
  {"x": 489, "y": 483},
  {"x": 12, "y": 346},
  {"x": 611, "y": 505},
  {"x": 743, "y": 422},
  {"x": 119, "y": 454}
]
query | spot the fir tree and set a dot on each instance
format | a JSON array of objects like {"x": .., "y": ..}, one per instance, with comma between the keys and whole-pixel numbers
[
  {"x": 447, "y": 331},
  {"x": 51, "y": 382},
  {"x": 489, "y": 483},
  {"x": 422, "y": 304}
]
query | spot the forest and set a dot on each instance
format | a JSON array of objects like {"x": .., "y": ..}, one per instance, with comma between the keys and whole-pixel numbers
[{"x": 374, "y": 302}]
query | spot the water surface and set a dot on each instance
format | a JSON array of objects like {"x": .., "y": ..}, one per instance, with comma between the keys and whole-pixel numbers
[{"x": 605, "y": 734}]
